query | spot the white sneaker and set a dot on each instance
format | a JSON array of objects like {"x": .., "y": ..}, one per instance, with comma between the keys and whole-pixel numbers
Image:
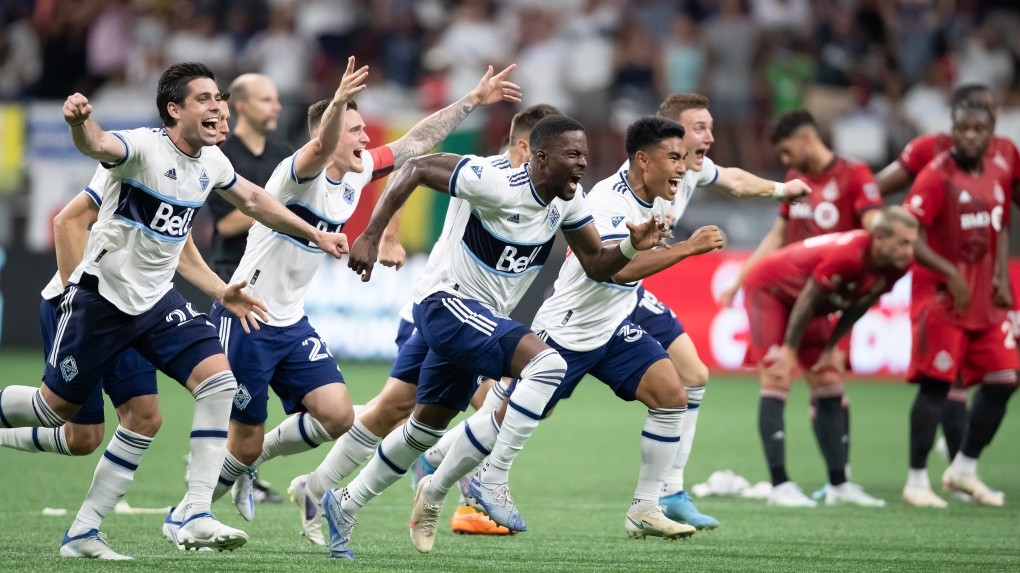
[
  {"x": 242, "y": 492},
  {"x": 641, "y": 524},
  {"x": 789, "y": 494},
  {"x": 311, "y": 512},
  {"x": 424, "y": 518},
  {"x": 850, "y": 493},
  {"x": 971, "y": 484},
  {"x": 90, "y": 545},
  {"x": 202, "y": 530},
  {"x": 922, "y": 496}
]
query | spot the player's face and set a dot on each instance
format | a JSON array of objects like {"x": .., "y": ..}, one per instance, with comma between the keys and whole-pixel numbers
[
  {"x": 262, "y": 107},
  {"x": 665, "y": 167},
  {"x": 697, "y": 136},
  {"x": 353, "y": 142},
  {"x": 972, "y": 132},
  {"x": 896, "y": 249},
  {"x": 565, "y": 159},
  {"x": 793, "y": 151},
  {"x": 198, "y": 119},
  {"x": 223, "y": 126},
  {"x": 986, "y": 99}
]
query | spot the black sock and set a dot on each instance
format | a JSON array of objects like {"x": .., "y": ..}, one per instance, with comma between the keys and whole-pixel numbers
[
  {"x": 924, "y": 420},
  {"x": 773, "y": 436},
  {"x": 954, "y": 421},
  {"x": 845, "y": 407},
  {"x": 985, "y": 417},
  {"x": 831, "y": 433}
]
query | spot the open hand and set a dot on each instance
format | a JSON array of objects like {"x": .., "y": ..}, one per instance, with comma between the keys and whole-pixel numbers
[
  {"x": 494, "y": 88},
  {"x": 651, "y": 233},
  {"x": 243, "y": 305},
  {"x": 351, "y": 84}
]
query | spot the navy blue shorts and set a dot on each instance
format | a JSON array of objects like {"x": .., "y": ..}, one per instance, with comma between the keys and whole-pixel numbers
[
  {"x": 293, "y": 360},
  {"x": 404, "y": 332},
  {"x": 655, "y": 318},
  {"x": 619, "y": 363},
  {"x": 91, "y": 332},
  {"x": 129, "y": 375},
  {"x": 407, "y": 366},
  {"x": 465, "y": 339}
]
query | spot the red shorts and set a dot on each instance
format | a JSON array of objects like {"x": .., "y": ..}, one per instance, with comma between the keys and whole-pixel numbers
[
  {"x": 767, "y": 319},
  {"x": 943, "y": 350}
]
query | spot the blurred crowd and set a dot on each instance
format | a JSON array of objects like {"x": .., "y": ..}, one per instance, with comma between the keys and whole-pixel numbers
[{"x": 874, "y": 72}]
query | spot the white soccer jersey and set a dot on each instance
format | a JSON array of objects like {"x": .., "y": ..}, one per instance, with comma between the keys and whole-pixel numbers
[
  {"x": 582, "y": 314},
  {"x": 506, "y": 236},
  {"x": 145, "y": 218},
  {"x": 279, "y": 267},
  {"x": 101, "y": 184},
  {"x": 708, "y": 175}
]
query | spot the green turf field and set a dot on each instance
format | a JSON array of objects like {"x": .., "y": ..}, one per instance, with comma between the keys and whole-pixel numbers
[{"x": 573, "y": 483}]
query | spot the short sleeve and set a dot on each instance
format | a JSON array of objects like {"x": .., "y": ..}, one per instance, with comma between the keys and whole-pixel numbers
[
  {"x": 709, "y": 173},
  {"x": 137, "y": 143},
  {"x": 841, "y": 263},
  {"x": 917, "y": 154},
  {"x": 224, "y": 177},
  {"x": 476, "y": 181},
  {"x": 610, "y": 215},
  {"x": 577, "y": 214},
  {"x": 98, "y": 186},
  {"x": 864, "y": 190},
  {"x": 927, "y": 196}
]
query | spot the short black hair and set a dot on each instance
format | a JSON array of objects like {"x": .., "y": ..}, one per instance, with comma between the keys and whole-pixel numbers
[
  {"x": 173, "y": 86},
  {"x": 964, "y": 92},
  {"x": 524, "y": 121},
  {"x": 790, "y": 122},
  {"x": 549, "y": 127},
  {"x": 317, "y": 109},
  {"x": 649, "y": 131},
  {"x": 970, "y": 104}
]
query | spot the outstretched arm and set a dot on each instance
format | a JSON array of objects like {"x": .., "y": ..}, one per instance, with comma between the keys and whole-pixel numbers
[
  {"x": 434, "y": 128},
  {"x": 647, "y": 263},
  {"x": 194, "y": 269},
  {"x": 88, "y": 137},
  {"x": 740, "y": 183}
]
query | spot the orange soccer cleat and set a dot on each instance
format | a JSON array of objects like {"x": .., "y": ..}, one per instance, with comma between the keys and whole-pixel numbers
[{"x": 469, "y": 521}]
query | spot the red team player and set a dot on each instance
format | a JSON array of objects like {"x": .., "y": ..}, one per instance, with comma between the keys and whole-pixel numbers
[
  {"x": 964, "y": 330},
  {"x": 843, "y": 198},
  {"x": 791, "y": 295}
]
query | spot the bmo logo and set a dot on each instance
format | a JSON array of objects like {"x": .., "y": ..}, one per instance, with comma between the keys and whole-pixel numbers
[
  {"x": 509, "y": 262},
  {"x": 171, "y": 221}
]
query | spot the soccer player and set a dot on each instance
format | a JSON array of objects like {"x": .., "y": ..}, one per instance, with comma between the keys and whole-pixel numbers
[
  {"x": 121, "y": 296},
  {"x": 395, "y": 401},
  {"x": 322, "y": 183},
  {"x": 960, "y": 199},
  {"x": 591, "y": 325},
  {"x": 789, "y": 295},
  {"x": 505, "y": 238},
  {"x": 843, "y": 197}
]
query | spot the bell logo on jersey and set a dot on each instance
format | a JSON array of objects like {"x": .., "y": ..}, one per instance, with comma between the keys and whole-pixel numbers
[
  {"x": 171, "y": 222},
  {"x": 509, "y": 262},
  {"x": 155, "y": 214}
]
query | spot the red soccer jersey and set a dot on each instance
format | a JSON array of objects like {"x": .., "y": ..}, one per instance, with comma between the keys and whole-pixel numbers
[
  {"x": 839, "y": 264},
  {"x": 962, "y": 215},
  {"x": 839, "y": 196},
  {"x": 922, "y": 149}
]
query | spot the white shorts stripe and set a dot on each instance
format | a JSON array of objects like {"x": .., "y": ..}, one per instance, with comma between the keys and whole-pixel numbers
[
  {"x": 469, "y": 317},
  {"x": 65, "y": 311}
]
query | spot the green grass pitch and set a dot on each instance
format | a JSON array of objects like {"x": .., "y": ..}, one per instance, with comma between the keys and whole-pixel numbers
[{"x": 573, "y": 483}]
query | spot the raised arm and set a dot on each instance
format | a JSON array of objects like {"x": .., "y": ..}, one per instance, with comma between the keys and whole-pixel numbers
[
  {"x": 428, "y": 132},
  {"x": 316, "y": 154},
  {"x": 88, "y": 137},
  {"x": 601, "y": 262},
  {"x": 71, "y": 231},
  {"x": 740, "y": 183},
  {"x": 647, "y": 263}
]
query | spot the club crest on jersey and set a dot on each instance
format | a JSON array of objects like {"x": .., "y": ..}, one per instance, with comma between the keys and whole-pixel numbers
[
  {"x": 68, "y": 368},
  {"x": 203, "y": 180},
  {"x": 831, "y": 191},
  {"x": 554, "y": 217},
  {"x": 477, "y": 171},
  {"x": 617, "y": 220},
  {"x": 348, "y": 194},
  {"x": 242, "y": 397}
]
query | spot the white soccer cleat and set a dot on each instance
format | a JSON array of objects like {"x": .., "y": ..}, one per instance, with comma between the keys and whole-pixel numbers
[
  {"x": 969, "y": 483},
  {"x": 90, "y": 545},
  {"x": 311, "y": 512},
  {"x": 789, "y": 494},
  {"x": 242, "y": 492},
  {"x": 653, "y": 522},
  {"x": 922, "y": 496},
  {"x": 202, "y": 530},
  {"x": 424, "y": 518},
  {"x": 850, "y": 494}
]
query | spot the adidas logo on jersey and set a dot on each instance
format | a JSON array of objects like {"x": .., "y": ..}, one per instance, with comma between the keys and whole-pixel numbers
[
  {"x": 965, "y": 197},
  {"x": 171, "y": 174},
  {"x": 515, "y": 219}
]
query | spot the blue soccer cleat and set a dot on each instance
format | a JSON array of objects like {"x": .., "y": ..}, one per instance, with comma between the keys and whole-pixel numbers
[
  {"x": 495, "y": 500},
  {"x": 242, "y": 494},
  {"x": 90, "y": 545},
  {"x": 340, "y": 525},
  {"x": 421, "y": 468},
  {"x": 680, "y": 507}
]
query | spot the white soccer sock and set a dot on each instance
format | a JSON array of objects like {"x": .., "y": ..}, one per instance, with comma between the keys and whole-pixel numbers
[
  {"x": 294, "y": 435},
  {"x": 396, "y": 453},
  {"x": 659, "y": 440},
  {"x": 539, "y": 381},
  {"x": 35, "y": 440},
  {"x": 493, "y": 400},
  {"x": 351, "y": 450},
  {"x": 24, "y": 407},
  {"x": 675, "y": 476},
  {"x": 476, "y": 436},
  {"x": 213, "y": 399},
  {"x": 964, "y": 463},
  {"x": 114, "y": 473},
  {"x": 918, "y": 478},
  {"x": 231, "y": 470}
]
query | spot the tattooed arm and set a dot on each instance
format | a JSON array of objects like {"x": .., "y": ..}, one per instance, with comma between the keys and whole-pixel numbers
[{"x": 434, "y": 128}]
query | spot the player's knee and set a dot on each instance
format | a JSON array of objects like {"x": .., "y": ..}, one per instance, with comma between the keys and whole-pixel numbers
[
  {"x": 248, "y": 450},
  {"x": 83, "y": 440},
  {"x": 694, "y": 377},
  {"x": 337, "y": 424}
]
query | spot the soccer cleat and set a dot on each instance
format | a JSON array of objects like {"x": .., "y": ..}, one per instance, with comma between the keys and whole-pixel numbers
[
  {"x": 243, "y": 494},
  {"x": 202, "y": 530},
  {"x": 90, "y": 545},
  {"x": 788, "y": 494},
  {"x": 680, "y": 507},
  {"x": 464, "y": 484},
  {"x": 922, "y": 496},
  {"x": 641, "y": 524},
  {"x": 340, "y": 525},
  {"x": 421, "y": 468},
  {"x": 850, "y": 494},
  {"x": 424, "y": 518},
  {"x": 311, "y": 514},
  {"x": 821, "y": 492},
  {"x": 469, "y": 521},
  {"x": 971, "y": 484},
  {"x": 495, "y": 500}
]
